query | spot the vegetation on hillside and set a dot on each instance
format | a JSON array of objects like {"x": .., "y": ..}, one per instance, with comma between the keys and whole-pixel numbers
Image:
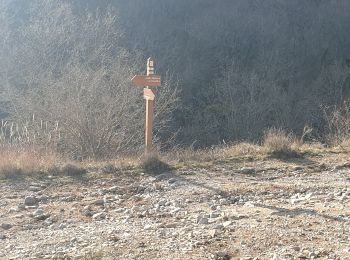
[{"x": 232, "y": 70}]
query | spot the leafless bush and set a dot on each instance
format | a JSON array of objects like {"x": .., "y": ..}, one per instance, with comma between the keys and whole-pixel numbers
[
  {"x": 338, "y": 124},
  {"x": 75, "y": 71}
]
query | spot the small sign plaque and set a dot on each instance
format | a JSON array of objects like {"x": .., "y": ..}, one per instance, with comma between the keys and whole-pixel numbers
[
  {"x": 146, "y": 81},
  {"x": 148, "y": 94}
]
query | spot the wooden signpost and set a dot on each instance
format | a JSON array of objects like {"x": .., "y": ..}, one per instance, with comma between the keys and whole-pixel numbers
[
  {"x": 148, "y": 94},
  {"x": 148, "y": 81}
]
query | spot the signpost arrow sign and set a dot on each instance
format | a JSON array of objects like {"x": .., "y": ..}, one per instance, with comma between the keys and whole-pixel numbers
[
  {"x": 146, "y": 81},
  {"x": 148, "y": 94}
]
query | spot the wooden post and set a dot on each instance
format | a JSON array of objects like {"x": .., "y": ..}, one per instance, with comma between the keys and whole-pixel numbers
[
  {"x": 149, "y": 112},
  {"x": 148, "y": 82}
]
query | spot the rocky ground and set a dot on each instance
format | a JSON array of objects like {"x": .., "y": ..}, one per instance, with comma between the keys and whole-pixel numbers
[{"x": 237, "y": 209}]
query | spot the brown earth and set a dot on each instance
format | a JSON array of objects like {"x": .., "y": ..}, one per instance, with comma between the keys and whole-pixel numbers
[{"x": 234, "y": 209}]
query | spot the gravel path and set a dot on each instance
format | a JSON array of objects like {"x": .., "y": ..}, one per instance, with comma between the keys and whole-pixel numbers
[{"x": 266, "y": 209}]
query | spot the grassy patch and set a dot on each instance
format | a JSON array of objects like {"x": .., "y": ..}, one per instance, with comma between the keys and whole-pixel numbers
[
  {"x": 279, "y": 144},
  {"x": 284, "y": 155},
  {"x": 190, "y": 157},
  {"x": 12, "y": 173},
  {"x": 21, "y": 163}
]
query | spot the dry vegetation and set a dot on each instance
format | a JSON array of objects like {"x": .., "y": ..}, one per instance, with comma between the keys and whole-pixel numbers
[
  {"x": 69, "y": 114},
  {"x": 21, "y": 161},
  {"x": 262, "y": 192},
  {"x": 338, "y": 123},
  {"x": 88, "y": 111},
  {"x": 277, "y": 143}
]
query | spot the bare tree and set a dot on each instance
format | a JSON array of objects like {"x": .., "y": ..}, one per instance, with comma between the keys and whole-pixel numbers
[{"x": 74, "y": 70}]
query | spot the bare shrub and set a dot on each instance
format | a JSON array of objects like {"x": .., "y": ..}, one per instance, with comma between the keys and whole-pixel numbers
[
  {"x": 338, "y": 124},
  {"x": 278, "y": 143},
  {"x": 75, "y": 70},
  {"x": 307, "y": 131}
]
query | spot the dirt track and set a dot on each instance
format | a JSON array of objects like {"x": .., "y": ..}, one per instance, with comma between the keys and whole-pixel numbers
[{"x": 262, "y": 209}]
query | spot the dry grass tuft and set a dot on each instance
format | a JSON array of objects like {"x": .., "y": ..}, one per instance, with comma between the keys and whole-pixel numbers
[
  {"x": 243, "y": 149},
  {"x": 212, "y": 154},
  {"x": 12, "y": 172},
  {"x": 190, "y": 155},
  {"x": 20, "y": 162},
  {"x": 152, "y": 164},
  {"x": 111, "y": 166},
  {"x": 279, "y": 144},
  {"x": 345, "y": 144}
]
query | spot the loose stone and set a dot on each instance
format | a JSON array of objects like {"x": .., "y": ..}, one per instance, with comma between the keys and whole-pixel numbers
[{"x": 30, "y": 201}]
